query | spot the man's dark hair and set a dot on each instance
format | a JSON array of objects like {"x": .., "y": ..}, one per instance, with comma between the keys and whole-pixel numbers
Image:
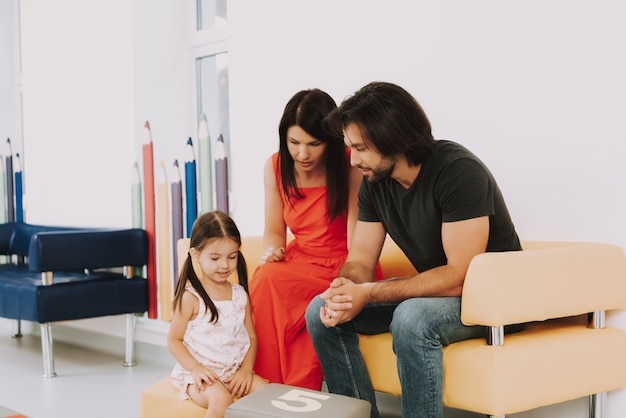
[{"x": 391, "y": 121}]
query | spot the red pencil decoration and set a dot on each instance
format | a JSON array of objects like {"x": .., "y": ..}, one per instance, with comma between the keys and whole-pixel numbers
[
  {"x": 148, "y": 181},
  {"x": 163, "y": 235},
  {"x": 8, "y": 169},
  {"x": 221, "y": 175},
  {"x": 177, "y": 213}
]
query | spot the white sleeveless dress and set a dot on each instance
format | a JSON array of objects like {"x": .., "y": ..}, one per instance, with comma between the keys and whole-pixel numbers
[{"x": 219, "y": 346}]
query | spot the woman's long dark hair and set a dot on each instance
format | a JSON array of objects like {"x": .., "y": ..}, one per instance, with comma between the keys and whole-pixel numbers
[
  {"x": 307, "y": 109},
  {"x": 208, "y": 226}
]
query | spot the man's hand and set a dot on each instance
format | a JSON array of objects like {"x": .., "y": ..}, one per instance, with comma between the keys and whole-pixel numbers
[{"x": 344, "y": 300}]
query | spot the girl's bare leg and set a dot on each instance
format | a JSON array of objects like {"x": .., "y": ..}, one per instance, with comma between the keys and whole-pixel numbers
[
  {"x": 215, "y": 398},
  {"x": 257, "y": 383}
]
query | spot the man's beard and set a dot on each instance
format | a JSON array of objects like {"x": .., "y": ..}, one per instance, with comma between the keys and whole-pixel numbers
[{"x": 382, "y": 171}]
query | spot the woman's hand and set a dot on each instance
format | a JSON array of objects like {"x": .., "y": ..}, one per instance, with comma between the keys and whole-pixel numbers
[{"x": 272, "y": 255}]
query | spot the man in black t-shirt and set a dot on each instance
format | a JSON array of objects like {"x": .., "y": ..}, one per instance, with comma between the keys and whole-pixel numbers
[{"x": 442, "y": 206}]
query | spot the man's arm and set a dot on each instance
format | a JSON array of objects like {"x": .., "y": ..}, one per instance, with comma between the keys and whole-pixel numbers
[
  {"x": 461, "y": 241},
  {"x": 367, "y": 242}
]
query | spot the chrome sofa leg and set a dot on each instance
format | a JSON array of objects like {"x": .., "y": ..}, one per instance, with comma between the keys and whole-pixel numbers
[
  {"x": 129, "y": 351},
  {"x": 596, "y": 405},
  {"x": 46, "y": 349},
  {"x": 17, "y": 328}
]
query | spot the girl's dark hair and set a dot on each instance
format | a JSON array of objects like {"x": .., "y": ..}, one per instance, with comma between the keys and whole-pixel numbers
[
  {"x": 391, "y": 121},
  {"x": 307, "y": 109},
  {"x": 208, "y": 226}
]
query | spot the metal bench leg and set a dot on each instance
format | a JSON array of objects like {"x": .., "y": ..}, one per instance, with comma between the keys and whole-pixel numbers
[
  {"x": 17, "y": 329},
  {"x": 596, "y": 405},
  {"x": 129, "y": 351},
  {"x": 46, "y": 349}
]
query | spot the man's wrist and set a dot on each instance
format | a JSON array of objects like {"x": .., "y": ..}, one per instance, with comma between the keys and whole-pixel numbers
[{"x": 370, "y": 288}]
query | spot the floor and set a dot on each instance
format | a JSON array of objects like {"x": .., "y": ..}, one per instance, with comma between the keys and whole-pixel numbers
[{"x": 92, "y": 383}]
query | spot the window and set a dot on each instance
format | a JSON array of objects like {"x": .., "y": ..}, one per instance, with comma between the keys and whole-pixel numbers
[{"x": 209, "y": 49}]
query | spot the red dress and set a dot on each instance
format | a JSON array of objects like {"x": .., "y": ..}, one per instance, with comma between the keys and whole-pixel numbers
[{"x": 280, "y": 292}]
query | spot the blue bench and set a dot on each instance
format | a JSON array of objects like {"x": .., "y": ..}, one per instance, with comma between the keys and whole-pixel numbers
[{"x": 55, "y": 273}]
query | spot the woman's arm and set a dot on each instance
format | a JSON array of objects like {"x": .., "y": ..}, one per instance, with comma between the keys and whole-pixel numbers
[{"x": 274, "y": 234}]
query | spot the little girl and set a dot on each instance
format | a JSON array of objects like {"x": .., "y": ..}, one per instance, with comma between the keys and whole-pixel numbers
[{"x": 211, "y": 335}]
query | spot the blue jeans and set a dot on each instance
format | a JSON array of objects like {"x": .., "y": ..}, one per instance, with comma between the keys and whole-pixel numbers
[{"x": 420, "y": 327}]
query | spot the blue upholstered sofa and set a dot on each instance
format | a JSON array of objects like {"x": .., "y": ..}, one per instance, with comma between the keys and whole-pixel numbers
[{"x": 53, "y": 273}]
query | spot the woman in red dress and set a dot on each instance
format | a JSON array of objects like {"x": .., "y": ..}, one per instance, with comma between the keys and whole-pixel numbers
[{"x": 310, "y": 194}]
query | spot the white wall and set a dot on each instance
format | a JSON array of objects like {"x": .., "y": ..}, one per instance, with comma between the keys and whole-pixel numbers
[
  {"x": 535, "y": 88},
  {"x": 9, "y": 79}
]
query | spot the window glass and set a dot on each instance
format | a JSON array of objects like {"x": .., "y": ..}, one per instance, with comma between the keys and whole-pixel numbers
[
  {"x": 213, "y": 94},
  {"x": 211, "y": 14}
]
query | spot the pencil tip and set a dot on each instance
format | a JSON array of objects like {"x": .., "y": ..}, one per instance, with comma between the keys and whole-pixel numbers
[
  {"x": 147, "y": 125},
  {"x": 189, "y": 142}
]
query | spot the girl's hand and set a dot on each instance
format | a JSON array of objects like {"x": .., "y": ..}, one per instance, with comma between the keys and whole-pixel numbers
[
  {"x": 239, "y": 383},
  {"x": 203, "y": 377},
  {"x": 272, "y": 255}
]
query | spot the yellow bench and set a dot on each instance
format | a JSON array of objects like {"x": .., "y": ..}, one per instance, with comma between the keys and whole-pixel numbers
[{"x": 558, "y": 357}]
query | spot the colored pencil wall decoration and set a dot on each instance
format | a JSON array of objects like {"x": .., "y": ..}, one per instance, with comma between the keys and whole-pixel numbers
[
  {"x": 3, "y": 189},
  {"x": 135, "y": 188},
  {"x": 191, "y": 189},
  {"x": 164, "y": 241},
  {"x": 136, "y": 196},
  {"x": 205, "y": 179},
  {"x": 8, "y": 170},
  {"x": 19, "y": 190},
  {"x": 177, "y": 213},
  {"x": 221, "y": 175},
  {"x": 150, "y": 221}
]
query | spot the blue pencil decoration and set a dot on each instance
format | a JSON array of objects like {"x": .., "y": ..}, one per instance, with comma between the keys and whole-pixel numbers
[
  {"x": 190, "y": 187},
  {"x": 19, "y": 190}
]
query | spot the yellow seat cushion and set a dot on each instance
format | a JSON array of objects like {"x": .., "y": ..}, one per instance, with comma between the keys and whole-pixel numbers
[
  {"x": 160, "y": 400},
  {"x": 511, "y": 378},
  {"x": 546, "y": 364}
]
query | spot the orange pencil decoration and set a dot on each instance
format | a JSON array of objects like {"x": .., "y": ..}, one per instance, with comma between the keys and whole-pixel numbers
[
  {"x": 163, "y": 235},
  {"x": 148, "y": 181}
]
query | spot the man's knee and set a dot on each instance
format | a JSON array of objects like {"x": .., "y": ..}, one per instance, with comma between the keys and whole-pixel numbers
[
  {"x": 312, "y": 314},
  {"x": 415, "y": 316}
]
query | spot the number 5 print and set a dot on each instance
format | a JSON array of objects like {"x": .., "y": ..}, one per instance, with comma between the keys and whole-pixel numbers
[{"x": 302, "y": 397}]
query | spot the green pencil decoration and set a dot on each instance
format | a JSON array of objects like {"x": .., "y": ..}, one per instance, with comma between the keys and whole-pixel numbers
[
  {"x": 136, "y": 196},
  {"x": 204, "y": 160}
]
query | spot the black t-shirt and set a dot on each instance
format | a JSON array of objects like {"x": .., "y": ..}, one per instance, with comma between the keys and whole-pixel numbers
[{"x": 452, "y": 185}]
